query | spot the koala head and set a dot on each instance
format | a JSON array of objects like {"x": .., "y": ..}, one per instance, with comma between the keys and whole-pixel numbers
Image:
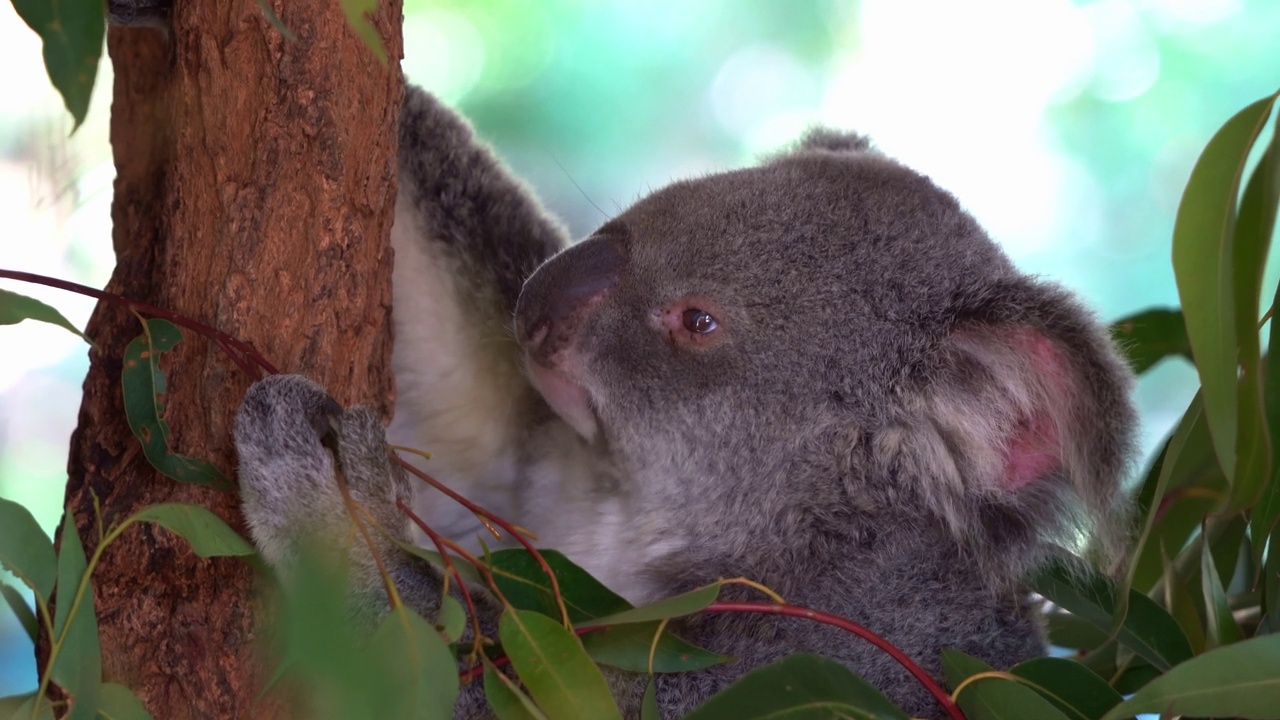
[{"x": 831, "y": 329}]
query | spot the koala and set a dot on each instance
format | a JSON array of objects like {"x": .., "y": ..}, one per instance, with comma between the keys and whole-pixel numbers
[{"x": 818, "y": 373}]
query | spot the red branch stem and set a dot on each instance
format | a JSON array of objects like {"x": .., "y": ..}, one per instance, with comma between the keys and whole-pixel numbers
[
  {"x": 235, "y": 348},
  {"x": 852, "y": 627},
  {"x": 496, "y": 520}
]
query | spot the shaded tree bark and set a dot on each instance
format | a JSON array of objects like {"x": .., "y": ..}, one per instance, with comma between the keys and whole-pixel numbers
[{"x": 254, "y": 192}]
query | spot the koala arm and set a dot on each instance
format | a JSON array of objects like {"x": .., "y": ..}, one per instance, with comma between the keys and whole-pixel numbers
[
  {"x": 466, "y": 236},
  {"x": 295, "y": 444}
]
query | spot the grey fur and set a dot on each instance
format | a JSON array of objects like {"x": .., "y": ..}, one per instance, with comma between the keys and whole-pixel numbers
[{"x": 841, "y": 442}]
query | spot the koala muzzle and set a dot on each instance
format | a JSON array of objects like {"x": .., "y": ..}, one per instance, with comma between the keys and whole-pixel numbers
[{"x": 562, "y": 292}]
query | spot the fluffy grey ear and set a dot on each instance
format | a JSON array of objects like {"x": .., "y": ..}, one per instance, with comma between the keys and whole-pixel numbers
[
  {"x": 1020, "y": 437},
  {"x": 838, "y": 141}
]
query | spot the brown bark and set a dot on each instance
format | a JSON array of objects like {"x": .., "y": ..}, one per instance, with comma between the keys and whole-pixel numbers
[{"x": 255, "y": 188}]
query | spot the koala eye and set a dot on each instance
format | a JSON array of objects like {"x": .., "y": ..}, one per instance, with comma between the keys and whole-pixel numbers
[
  {"x": 691, "y": 322},
  {"x": 699, "y": 321}
]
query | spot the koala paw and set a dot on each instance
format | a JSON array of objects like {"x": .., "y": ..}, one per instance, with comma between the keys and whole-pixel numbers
[
  {"x": 293, "y": 442},
  {"x": 139, "y": 13}
]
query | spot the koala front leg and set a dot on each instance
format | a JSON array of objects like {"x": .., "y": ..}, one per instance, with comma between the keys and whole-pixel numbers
[{"x": 295, "y": 445}]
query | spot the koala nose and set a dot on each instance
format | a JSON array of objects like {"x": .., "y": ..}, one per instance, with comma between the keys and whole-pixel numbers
[{"x": 562, "y": 291}]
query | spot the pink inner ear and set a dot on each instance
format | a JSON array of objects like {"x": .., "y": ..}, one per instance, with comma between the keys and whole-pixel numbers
[
  {"x": 1032, "y": 452},
  {"x": 1035, "y": 448}
]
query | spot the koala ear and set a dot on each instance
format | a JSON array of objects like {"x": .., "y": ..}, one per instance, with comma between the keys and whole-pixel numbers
[
  {"x": 1014, "y": 437},
  {"x": 839, "y": 141}
]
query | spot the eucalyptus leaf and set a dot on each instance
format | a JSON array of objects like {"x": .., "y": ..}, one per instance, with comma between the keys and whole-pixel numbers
[
  {"x": 506, "y": 699},
  {"x": 207, "y": 534},
  {"x": 1203, "y": 253},
  {"x": 1147, "y": 628},
  {"x": 72, "y": 32},
  {"x": 1070, "y": 686},
  {"x": 525, "y": 585},
  {"x": 1147, "y": 337},
  {"x": 422, "y": 670},
  {"x": 676, "y": 606},
  {"x": 358, "y": 12},
  {"x": 627, "y": 646},
  {"x": 25, "y": 550},
  {"x": 1240, "y": 680},
  {"x": 78, "y": 665},
  {"x": 143, "y": 384},
  {"x": 26, "y": 618},
  {"x": 119, "y": 703},
  {"x": 994, "y": 698},
  {"x": 15, "y": 308},
  {"x": 553, "y": 665},
  {"x": 799, "y": 687}
]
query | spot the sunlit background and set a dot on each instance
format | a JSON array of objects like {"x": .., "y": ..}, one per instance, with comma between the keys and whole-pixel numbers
[{"x": 1067, "y": 128}]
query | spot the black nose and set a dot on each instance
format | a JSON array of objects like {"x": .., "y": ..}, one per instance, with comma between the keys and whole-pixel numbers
[{"x": 557, "y": 297}]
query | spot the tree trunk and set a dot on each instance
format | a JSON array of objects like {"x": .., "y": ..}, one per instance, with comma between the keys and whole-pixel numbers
[{"x": 254, "y": 193}]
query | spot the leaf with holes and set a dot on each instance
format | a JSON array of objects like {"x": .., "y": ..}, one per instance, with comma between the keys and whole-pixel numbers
[{"x": 143, "y": 383}]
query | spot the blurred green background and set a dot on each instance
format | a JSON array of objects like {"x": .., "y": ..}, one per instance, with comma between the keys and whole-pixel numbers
[{"x": 1067, "y": 128}]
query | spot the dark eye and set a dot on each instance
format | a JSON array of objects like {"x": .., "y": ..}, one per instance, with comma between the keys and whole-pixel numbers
[{"x": 698, "y": 321}]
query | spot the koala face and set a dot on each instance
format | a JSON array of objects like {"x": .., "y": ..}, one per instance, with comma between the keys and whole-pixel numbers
[
  {"x": 815, "y": 281},
  {"x": 829, "y": 314}
]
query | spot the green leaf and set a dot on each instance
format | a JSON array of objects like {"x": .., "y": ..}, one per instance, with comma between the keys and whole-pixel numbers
[
  {"x": 23, "y": 707},
  {"x": 143, "y": 382},
  {"x": 25, "y": 550},
  {"x": 1069, "y": 685},
  {"x": 358, "y": 12},
  {"x": 553, "y": 665},
  {"x": 452, "y": 620},
  {"x": 419, "y": 665},
  {"x": 675, "y": 606},
  {"x": 1182, "y": 605},
  {"x": 26, "y": 618},
  {"x": 15, "y": 308},
  {"x": 1241, "y": 680},
  {"x": 1221, "y": 626},
  {"x": 1186, "y": 454},
  {"x": 506, "y": 700},
  {"x": 800, "y": 687},
  {"x": 649, "y": 703},
  {"x": 276, "y": 22},
  {"x": 626, "y": 647},
  {"x": 1069, "y": 631},
  {"x": 78, "y": 666},
  {"x": 207, "y": 534},
  {"x": 1265, "y": 516},
  {"x": 1147, "y": 628},
  {"x": 119, "y": 703},
  {"x": 1203, "y": 263},
  {"x": 994, "y": 698},
  {"x": 1147, "y": 337},
  {"x": 525, "y": 585},
  {"x": 72, "y": 32}
]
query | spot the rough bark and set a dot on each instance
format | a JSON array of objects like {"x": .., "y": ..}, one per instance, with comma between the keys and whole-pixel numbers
[{"x": 254, "y": 193}]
